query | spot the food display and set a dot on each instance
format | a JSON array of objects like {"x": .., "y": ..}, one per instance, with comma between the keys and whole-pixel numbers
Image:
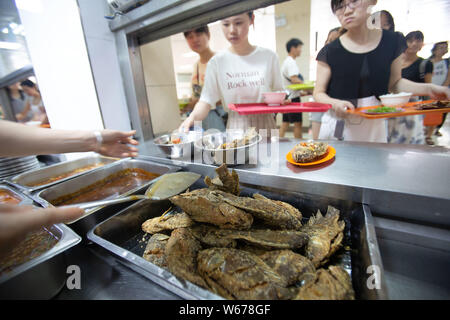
[
  {"x": 173, "y": 140},
  {"x": 7, "y": 197},
  {"x": 433, "y": 105},
  {"x": 309, "y": 151},
  {"x": 248, "y": 137},
  {"x": 248, "y": 247},
  {"x": 383, "y": 109},
  {"x": 113, "y": 185},
  {"x": 34, "y": 245},
  {"x": 65, "y": 175}
]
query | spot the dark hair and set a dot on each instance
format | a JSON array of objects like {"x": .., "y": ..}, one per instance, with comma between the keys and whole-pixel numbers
[
  {"x": 250, "y": 14},
  {"x": 390, "y": 19},
  {"x": 293, "y": 43},
  {"x": 335, "y": 4},
  {"x": 435, "y": 47},
  {"x": 202, "y": 29},
  {"x": 415, "y": 35},
  {"x": 28, "y": 83}
]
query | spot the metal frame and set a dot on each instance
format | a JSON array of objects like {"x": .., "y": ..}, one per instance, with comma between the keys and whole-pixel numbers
[{"x": 155, "y": 20}]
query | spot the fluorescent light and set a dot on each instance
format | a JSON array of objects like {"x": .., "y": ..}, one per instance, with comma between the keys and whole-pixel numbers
[
  {"x": 5, "y": 30},
  {"x": 10, "y": 45},
  {"x": 13, "y": 25}
]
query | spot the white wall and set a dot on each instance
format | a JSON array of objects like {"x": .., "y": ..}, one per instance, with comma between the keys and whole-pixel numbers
[{"x": 59, "y": 56}]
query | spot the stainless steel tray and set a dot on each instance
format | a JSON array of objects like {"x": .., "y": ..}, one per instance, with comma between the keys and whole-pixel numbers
[
  {"x": 44, "y": 276},
  {"x": 87, "y": 221},
  {"x": 25, "y": 200},
  {"x": 211, "y": 154},
  {"x": 24, "y": 180},
  {"x": 122, "y": 235}
]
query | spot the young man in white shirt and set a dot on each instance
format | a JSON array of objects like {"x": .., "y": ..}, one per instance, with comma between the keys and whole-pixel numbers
[{"x": 291, "y": 75}]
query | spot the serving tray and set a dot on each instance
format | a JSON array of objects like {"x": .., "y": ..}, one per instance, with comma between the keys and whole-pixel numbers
[
  {"x": 261, "y": 108},
  {"x": 409, "y": 109}
]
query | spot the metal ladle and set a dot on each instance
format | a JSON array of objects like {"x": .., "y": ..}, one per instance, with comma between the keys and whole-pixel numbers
[{"x": 163, "y": 187}]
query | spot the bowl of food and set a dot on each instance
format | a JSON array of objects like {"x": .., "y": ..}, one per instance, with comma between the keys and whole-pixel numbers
[
  {"x": 395, "y": 99},
  {"x": 233, "y": 147},
  {"x": 177, "y": 145},
  {"x": 274, "y": 98}
]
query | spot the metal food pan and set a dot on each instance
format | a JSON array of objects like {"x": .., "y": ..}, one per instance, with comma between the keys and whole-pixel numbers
[
  {"x": 24, "y": 180},
  {"x": 122, "y": 235},
  {"x": 89, "y": 220},
  {"x": 24, "y": 200},
  {"x": 44, "y": 276},
  {"x": 210, "y": 144}
]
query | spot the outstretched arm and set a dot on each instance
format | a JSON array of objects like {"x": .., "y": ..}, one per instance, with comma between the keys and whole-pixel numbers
[
  {"x": 398, "y": 84},
  {"x": 21, "y": 140}
]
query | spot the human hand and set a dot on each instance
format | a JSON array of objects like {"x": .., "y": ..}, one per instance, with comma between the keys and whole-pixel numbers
[
  {"x": 19, "y": 116},
  {"x": 117, "y": 144},
  {"x": 287, "y": 101},
  {"x": 17, "y": 221},
  {"x": 186, "y": 125},
  {"x": 341, "y": 107},
  {"x": 438, "y": 92}
]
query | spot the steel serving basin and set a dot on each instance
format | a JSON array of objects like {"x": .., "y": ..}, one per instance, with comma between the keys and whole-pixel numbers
[
  {"x": 26, "y": 181},
  {"x": 97, "y": 214},
  {"x": 122, "y": 235}
]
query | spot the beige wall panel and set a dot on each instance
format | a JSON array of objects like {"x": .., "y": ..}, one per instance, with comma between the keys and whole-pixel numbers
[{"x": 296, "y": 14}]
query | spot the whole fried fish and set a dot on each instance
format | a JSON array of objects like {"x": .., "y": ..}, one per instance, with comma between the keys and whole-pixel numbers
[
  {"x": 237, "y": 274},
  {"x": 276, "y": 214},
  {"x": 168, "y": 221},
  {"x": 331, "y": 284},
  {"x": 154, "y": 251},
  {"x": 293, "y": 267},
  {"x": 325, "y": 236},
  {"x": 181, "y": 255},
  {"x": 268, "y": 239},
  {"x": 204, "y": 205}
]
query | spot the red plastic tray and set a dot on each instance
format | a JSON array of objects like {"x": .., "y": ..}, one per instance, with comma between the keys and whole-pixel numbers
[{"x": 259, "y": 108}]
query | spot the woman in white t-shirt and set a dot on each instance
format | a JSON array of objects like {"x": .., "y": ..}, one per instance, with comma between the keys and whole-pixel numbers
[{"x": 239, "y": 74}]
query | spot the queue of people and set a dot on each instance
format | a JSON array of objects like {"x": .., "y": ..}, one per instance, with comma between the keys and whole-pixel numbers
[
  {"x": 383, "y": 62},
  {"x": 27, "y": 102}
]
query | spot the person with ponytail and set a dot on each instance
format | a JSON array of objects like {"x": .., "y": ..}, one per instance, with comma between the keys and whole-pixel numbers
[{"x": 239, "y": 74}]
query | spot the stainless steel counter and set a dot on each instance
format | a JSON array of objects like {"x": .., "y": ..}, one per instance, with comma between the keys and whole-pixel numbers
[
  {"x": 403, "y": 181},
  {"x": 407, "y": 182}
]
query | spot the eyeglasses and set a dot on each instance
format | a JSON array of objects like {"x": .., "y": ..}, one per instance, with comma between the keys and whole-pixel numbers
[{"x": 353, "y": 4}]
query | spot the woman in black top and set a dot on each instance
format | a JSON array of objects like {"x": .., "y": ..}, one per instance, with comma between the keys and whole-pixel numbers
[
  {"x": 410, "y": 129},
  {"x": 358, "y": 67}
]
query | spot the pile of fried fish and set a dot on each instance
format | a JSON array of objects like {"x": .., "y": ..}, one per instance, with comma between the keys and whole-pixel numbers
[{"x": 248, "y": 247}]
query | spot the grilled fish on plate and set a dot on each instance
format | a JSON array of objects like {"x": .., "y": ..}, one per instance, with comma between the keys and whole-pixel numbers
[{"x": 309, "y": 151}]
